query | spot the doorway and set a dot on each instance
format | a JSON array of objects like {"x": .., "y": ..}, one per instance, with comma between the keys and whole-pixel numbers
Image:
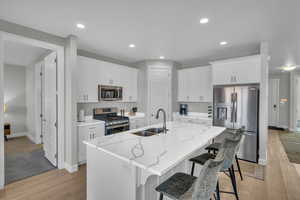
[
  {"x": 297, "y": 104},
  {"x": 30, "y": 111},
  {"x": 274, "y": 103},
  {"x": 58, "y": 156},
  {"x": 159, "y": 90}
]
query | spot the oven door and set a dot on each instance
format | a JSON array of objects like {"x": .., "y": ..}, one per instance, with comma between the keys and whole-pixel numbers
[
  {"x": 116, "y": 129},
  {"x": 110, "y": 93}
]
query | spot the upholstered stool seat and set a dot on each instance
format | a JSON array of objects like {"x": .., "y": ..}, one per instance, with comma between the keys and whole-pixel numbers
[{"x": 176, "y": 186}]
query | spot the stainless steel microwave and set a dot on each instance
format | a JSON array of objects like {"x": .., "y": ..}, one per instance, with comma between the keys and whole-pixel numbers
[{"x": 110, "y": 93}]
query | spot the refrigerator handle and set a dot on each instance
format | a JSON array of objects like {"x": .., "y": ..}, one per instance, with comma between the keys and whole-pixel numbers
[
  {"x": 235, "y": 107},
  {"x": 232, "y": 109}
]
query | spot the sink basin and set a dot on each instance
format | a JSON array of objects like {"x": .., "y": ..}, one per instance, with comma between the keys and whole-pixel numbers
[
  {"x": 149, "y": 132},
  {"x": 144, "y": 133},
  {"x": 155, "y": 130}
]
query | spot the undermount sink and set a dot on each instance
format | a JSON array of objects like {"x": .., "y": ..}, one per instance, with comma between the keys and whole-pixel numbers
[
  {"x": 144, "y": 133},
  {"x": 155, "y": 130},
  {"x": 149, "y": 132}
]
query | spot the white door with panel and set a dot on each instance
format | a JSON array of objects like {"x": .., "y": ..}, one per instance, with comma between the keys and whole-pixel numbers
[
  {"x": 49, "y": 108},
  {"x": 274, "y": 102},
  {"x": 159, "y": 92}
]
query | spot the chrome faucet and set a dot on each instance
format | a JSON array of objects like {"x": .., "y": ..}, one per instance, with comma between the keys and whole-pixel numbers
[{"x": 165, "y": 119}]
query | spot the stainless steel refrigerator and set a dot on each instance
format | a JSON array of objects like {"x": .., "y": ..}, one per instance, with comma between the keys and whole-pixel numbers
[{"x": 238, "y": 107}]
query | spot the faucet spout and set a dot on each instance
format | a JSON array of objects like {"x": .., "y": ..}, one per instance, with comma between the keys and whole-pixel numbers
[{"x": 165, "y": 119}]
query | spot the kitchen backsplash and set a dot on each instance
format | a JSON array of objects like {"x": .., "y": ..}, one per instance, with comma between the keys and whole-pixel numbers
[
  {"x": 88, "y": 107},
  {"x": 195, "y": 107}
]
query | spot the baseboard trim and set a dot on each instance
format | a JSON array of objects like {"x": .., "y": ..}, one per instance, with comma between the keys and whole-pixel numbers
[
  {"x": 15, "y": 135},
  {"x": 276, "y": 128},
  {"x": 71, "y": 168},
  {"x": 262, "y": 161},
  {"x": 32, "y": 139}
]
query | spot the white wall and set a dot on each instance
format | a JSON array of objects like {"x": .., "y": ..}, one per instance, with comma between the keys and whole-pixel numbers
[
  {"x": 284, "y": 93},
  {"x": 15, "y": 98}
]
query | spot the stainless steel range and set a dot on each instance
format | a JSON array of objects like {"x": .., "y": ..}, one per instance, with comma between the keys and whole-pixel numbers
[{"x": 113, "y": 122}]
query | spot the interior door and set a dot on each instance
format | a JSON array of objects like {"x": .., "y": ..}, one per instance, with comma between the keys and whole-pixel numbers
[
  {"x": 274, "y": 102},
  {"x": 49, "y": 108},
  {"x": 159, "y": 84}
]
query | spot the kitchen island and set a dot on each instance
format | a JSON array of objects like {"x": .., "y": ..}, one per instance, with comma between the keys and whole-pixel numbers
[{"x": 126, "y": 166}]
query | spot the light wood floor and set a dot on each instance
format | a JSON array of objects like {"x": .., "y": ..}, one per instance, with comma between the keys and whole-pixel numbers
[
  {"x": 282, "y": 182},
  {"x": 20, "y": 145}
]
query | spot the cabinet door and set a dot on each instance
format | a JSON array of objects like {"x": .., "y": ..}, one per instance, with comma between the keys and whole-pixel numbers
[
  {"x": 83, "y": 134},
  {"x": 248, "y": 71},
  {"x": 183, "y": 85},
  {"x": 194, "y": 84},
  {"x": 99, "y": 131},
  {"x": 87, "y": 71},
  {"x": 237, "y": 71},
  {"x": 222, "y": 74},
  {"x": 205, "y": 84},
  {"x": 133, "y": 85}
]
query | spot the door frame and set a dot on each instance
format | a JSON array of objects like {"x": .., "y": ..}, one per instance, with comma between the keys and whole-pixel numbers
[
  {"x": 153, "y": 66},
  {"x": 277, "y": 101},
  {"x": 4, "y": 36}
]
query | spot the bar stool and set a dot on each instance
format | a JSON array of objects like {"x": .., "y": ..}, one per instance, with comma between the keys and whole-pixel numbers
[
  {"x": 214, "y": 147},
  {"x": 231, "y": 144},
  {"x": 185, "y": 187}
]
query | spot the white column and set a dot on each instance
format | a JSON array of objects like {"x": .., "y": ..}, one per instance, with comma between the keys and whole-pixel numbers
[
  {"x": 2, "y": 175},
  {"x": 71, "y": 159},
  {"x": 263, "y": 120}
]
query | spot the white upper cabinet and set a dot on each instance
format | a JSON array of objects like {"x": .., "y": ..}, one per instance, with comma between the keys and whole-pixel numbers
[
  {"x": 243, "y": 70},
  {"x": 195, "y": 85},
  {"x": 91, "y": 72},
  {"x": 87, "y": 76}
]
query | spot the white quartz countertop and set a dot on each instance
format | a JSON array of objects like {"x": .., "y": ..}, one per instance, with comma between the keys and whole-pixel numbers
[
  {"x": 193, "y": 115},
  {"x": 159, "y": 153},
  {"x": 90, "y": 122}
]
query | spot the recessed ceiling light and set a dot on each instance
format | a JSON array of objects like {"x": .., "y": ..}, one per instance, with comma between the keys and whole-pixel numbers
[
  {"x": 132, "y": 45},
  {"x": 223, "y": 43},
  {"x": 81, "y": 26},
  {"x": 161, "y": 57},
  {"x": 204, "y": 20}
]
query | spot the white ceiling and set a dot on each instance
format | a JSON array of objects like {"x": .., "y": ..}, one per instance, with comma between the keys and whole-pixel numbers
[
  {"x": 21, "y": 54},
  {"x": 170, "y": 28}
]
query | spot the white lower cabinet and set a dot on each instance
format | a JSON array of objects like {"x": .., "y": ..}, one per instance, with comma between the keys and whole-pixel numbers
[
  {"x": 137, "y": 123},
  {"x": 85, "y": 133}
]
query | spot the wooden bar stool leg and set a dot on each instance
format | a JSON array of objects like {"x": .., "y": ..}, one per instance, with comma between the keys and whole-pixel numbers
[
  {"x": 218, "y": 191},
  {"x": 161, "y": 196},
  {"x": 238, "y": 166},
  {"x": 193, "y": 167},
  {"x": 232, "y": 177}
]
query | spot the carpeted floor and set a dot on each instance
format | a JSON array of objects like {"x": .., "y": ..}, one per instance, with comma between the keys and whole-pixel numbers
[
  {"x": 291, "y": 144},
  {"x": 25, "y": 164}
]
